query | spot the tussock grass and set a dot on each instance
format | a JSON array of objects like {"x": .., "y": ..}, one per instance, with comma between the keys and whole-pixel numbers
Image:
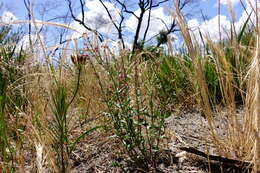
[
  {"x": 242, "y": 139},
  {"x": 31, "y": 122},
  {"x": 46, "y": 109}
]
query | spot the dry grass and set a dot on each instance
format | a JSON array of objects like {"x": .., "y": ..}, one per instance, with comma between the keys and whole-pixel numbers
[
  {"x": 242, "y": 139},
  {"x": 33, "y": 149}
]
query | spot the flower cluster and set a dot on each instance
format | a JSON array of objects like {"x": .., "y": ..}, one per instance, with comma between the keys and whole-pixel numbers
[{"x": 79, "y": 59}]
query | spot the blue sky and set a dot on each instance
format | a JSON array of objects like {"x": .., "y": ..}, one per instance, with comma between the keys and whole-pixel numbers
[
  {"x": 15, "y": 6},
  {"x": 94, "y": 12},
  {"x": 208, "y": 7}
]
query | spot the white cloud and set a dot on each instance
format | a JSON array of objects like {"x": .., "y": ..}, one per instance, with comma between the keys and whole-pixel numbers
[
  {"x": 209, "y": 28},
  {"x": 193, "y": 24},
  {"x": 35, "y": 48},
  {"x": 250, "y": 9},
  {"x": 96, "y": 18},
  {"x": 8, "y": 17},
  {"x": 226, "y": 2},
  {"x": 25, "y": 41},
  {"x": 242, "y": 20},
  {"x": 157, "y": 16},
  {"x": 80, "y": 31}
]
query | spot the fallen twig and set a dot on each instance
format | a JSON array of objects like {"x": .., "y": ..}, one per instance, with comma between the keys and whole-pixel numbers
[{"x": 224, "y": 160}]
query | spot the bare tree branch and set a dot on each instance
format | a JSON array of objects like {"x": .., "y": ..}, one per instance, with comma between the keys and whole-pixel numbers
[
  {"x": 148, "y": 21},
  {"x": 144, "y": 6},
  {"x": 118, "y": 27},
  {"x": 28, "y": 8},
  {"x": 82, "y": 21},
  {"x": 125, "y": 8},
  {"x": 159, "y": 3}
]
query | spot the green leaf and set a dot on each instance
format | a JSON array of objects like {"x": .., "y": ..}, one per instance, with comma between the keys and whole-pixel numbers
[
  {"x": 241, "y": 33},
  {"x": 82, "y": 135}
]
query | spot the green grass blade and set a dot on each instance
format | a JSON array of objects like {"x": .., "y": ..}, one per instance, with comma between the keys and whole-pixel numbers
[
  {"x": 82, "y": 135},
  {"x": 241, "y": 33}
]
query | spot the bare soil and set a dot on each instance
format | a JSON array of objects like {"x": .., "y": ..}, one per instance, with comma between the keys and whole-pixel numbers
[{"x": 186, "y": 129}]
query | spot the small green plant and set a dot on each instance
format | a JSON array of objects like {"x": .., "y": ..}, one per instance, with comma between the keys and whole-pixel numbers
[
  {"x": 5, "y": 152},
  {"x": 212, "y": 81},
  {"x": 162, "y": 38},
  {"x": 171, "y": 79},
  {"x": 11, "y": 95},
  {"x": 62, "y": 143},
  {"x": 138, "y": 119},
  {"x": 60, "y": 127}
]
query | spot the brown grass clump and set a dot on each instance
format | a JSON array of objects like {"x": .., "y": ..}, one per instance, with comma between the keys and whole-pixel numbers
[
  {"x": 126, "y": 96},
  {"x": 242, "y": 131}
]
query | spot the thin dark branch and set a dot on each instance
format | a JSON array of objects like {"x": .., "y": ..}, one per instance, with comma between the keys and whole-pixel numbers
[
  {"x": 118, "y": 27},
  {"x": 146, "y": 4},
  {"x": 173, "y": 27},
  {"x": 149, "y": 20},
  {"x": 27, "y": 6},
  {"x": 82, "y": 10},
  {"x": 125, "y": 8},
  {"x": 166, "y": 26},
  {"x": 159, "y": 3},
  {"x": 216, "y": 158},
  {"x": 82, "y": 22},
  {"x": 138, "y": 28},
  {"x": 76, "y": 19}
]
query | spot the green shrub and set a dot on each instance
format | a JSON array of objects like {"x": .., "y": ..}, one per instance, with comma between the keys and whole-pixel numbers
[
  {"x": 138, "y": 119},
  {"x": 171, "y": 79}
]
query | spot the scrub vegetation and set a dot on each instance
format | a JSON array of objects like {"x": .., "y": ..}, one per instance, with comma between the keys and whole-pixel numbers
[{"x": 94, "y": 106}]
